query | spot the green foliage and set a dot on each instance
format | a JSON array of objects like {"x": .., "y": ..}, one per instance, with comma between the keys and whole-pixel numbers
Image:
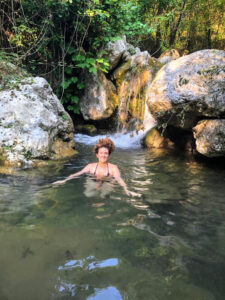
[
  {"x": 23, "y": 36},
  {"x": 27, "y": 154},
  {"x": 10, "y": 74},
  {"x": 72, "y": 86},
  {"x": 63, "y": 39}
]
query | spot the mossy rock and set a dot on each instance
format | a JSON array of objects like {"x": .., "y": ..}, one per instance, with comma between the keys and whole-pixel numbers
[
  {"x": 153, "y": 139},
  {"x": 86, "y": 129},
  {"x": 10, "y": 75},
  {"x": 155, "y": 65},
  {"x": 120, "y": 73}
]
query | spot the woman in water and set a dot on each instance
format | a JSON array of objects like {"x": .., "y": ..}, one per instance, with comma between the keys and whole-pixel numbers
[{"x": 102, "y": 169}]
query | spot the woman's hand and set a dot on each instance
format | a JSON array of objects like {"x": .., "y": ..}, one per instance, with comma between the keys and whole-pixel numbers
[
  {"x": 118, "y": 178},
  {"x": 59, "y": 182},
  {"x": 133, "y": 194}
]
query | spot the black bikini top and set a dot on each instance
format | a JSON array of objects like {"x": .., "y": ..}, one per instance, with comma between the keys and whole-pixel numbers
[{"x": 107, "y": 168}]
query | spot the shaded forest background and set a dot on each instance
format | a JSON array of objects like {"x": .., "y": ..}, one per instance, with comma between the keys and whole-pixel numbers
[{"x": 61, "y": 39}]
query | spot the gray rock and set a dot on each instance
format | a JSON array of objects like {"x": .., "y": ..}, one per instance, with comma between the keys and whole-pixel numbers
[
  {"x": 99, "y": 99},
  {"x": 168, "y": 56},
  {"x": 117, "y": 50},
  {"x": 33, "y": 124},
  {"x": 132, "y": 77},
  {"x": 189, "y": 88},
  {"x": 154, "y": 139},
  {"x": 89, "y": 129},
  {"x": 114, "y": 51},
  {"x": 210, "y": 137}
]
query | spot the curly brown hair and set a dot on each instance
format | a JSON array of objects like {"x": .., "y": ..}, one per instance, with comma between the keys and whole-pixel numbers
[{"x": 106, "y": 143}]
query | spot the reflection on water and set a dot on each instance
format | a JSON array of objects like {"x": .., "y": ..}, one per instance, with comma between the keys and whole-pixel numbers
[
  {"x": 98, "y": 188},
  {"x": 110, "y": 293},
  {"x": 86, "y": 265},
  {"x": 83, "y": 240},
  {"x": 89, "y": 263}
]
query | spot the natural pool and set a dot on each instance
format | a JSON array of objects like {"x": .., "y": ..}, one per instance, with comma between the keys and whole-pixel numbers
[{"x": 67, "y": 243}]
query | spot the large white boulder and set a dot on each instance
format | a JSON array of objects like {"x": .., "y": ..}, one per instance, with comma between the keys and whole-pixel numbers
[
  {"x": 33, "y": 124},
  {"x": 189, "y": 88}
]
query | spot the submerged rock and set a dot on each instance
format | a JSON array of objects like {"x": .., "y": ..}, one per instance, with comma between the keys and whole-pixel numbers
[
  {"x": 99, "y": 100},
  {"x": 181, "y": 290},
  {"x": 210, "y": 137},
  {"x": 154, "y": 139},
  {"x": 33, "y": 124},
  {"x": 86, "y": 129},
  {"x": 189, "y": 88}
]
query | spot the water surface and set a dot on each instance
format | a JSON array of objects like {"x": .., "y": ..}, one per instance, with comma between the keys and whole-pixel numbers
[{"x": 75, "y": 242}]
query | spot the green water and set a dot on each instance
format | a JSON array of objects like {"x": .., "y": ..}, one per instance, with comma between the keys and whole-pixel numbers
[{"x": 76, "y": 242}]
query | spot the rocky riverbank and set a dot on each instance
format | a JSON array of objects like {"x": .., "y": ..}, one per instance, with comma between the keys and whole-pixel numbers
[
  {"x": 183, "y": 96},
  {"x": 187, "y": 98}
]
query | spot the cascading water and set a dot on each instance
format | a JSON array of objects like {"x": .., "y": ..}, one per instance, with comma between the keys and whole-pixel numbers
[
  {"x": 133, "y": 113},
  {"x": 134, "y": 119},
  {"x": 124, "y": 106},
  {"x": 148, "y": 122},
  {"x": 123, "y": 140}
]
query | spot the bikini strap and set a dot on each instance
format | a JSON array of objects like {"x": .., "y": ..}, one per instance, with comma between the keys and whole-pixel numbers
[
  {"x": 96, "y": 169},
  {"x": 108, "y": 170}
]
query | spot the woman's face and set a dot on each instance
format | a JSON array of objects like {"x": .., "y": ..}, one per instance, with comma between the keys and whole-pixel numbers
[{"x": 103, "y": 154}]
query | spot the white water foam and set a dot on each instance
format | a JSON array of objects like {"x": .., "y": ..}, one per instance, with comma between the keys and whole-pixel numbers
[
  {"x": 149, "y": 121},
  {"x": 127, "y": 140},
  {"x": 121, "y": 140}
]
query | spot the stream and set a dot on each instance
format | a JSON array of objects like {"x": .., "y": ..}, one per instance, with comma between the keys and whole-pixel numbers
[{"x": 84, "y": 241}]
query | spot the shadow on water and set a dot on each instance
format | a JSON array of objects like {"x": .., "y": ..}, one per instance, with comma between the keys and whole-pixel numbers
[{"x": 76, "y": 241}]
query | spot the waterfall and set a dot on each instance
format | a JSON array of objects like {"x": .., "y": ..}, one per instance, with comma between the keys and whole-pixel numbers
[
  {"x": 135, "y": 120},
  {"x": 126, "y": 92},
  {"x": 132, "y": 80},
  {"x": 148, "y": 122},
  {"x": 123, "y": 110},
  {"x": 123, "y": 139}
]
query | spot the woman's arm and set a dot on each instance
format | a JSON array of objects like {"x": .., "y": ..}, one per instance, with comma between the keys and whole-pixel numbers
[
  {"x": 118, "y": 178},
  {"x": 83, "y": 171}
]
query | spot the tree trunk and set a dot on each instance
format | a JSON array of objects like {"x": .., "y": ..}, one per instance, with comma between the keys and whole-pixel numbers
[
  {"x": 158, "y": 33},
  {"x": 174, "y": 29},
  {"x": 209, "y": 44}
]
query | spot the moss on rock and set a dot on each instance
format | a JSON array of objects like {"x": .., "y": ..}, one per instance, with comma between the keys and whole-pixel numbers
[
  {"x": 10, "y": 75},
  {"x": 154, "y": 139}
]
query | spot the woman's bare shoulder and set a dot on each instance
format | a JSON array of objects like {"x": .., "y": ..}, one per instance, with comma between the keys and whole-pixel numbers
[
  {"x": 90, "y": 166},
  {"x": 114, "y": 170},
  {"x": 112, "y": 166}
]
